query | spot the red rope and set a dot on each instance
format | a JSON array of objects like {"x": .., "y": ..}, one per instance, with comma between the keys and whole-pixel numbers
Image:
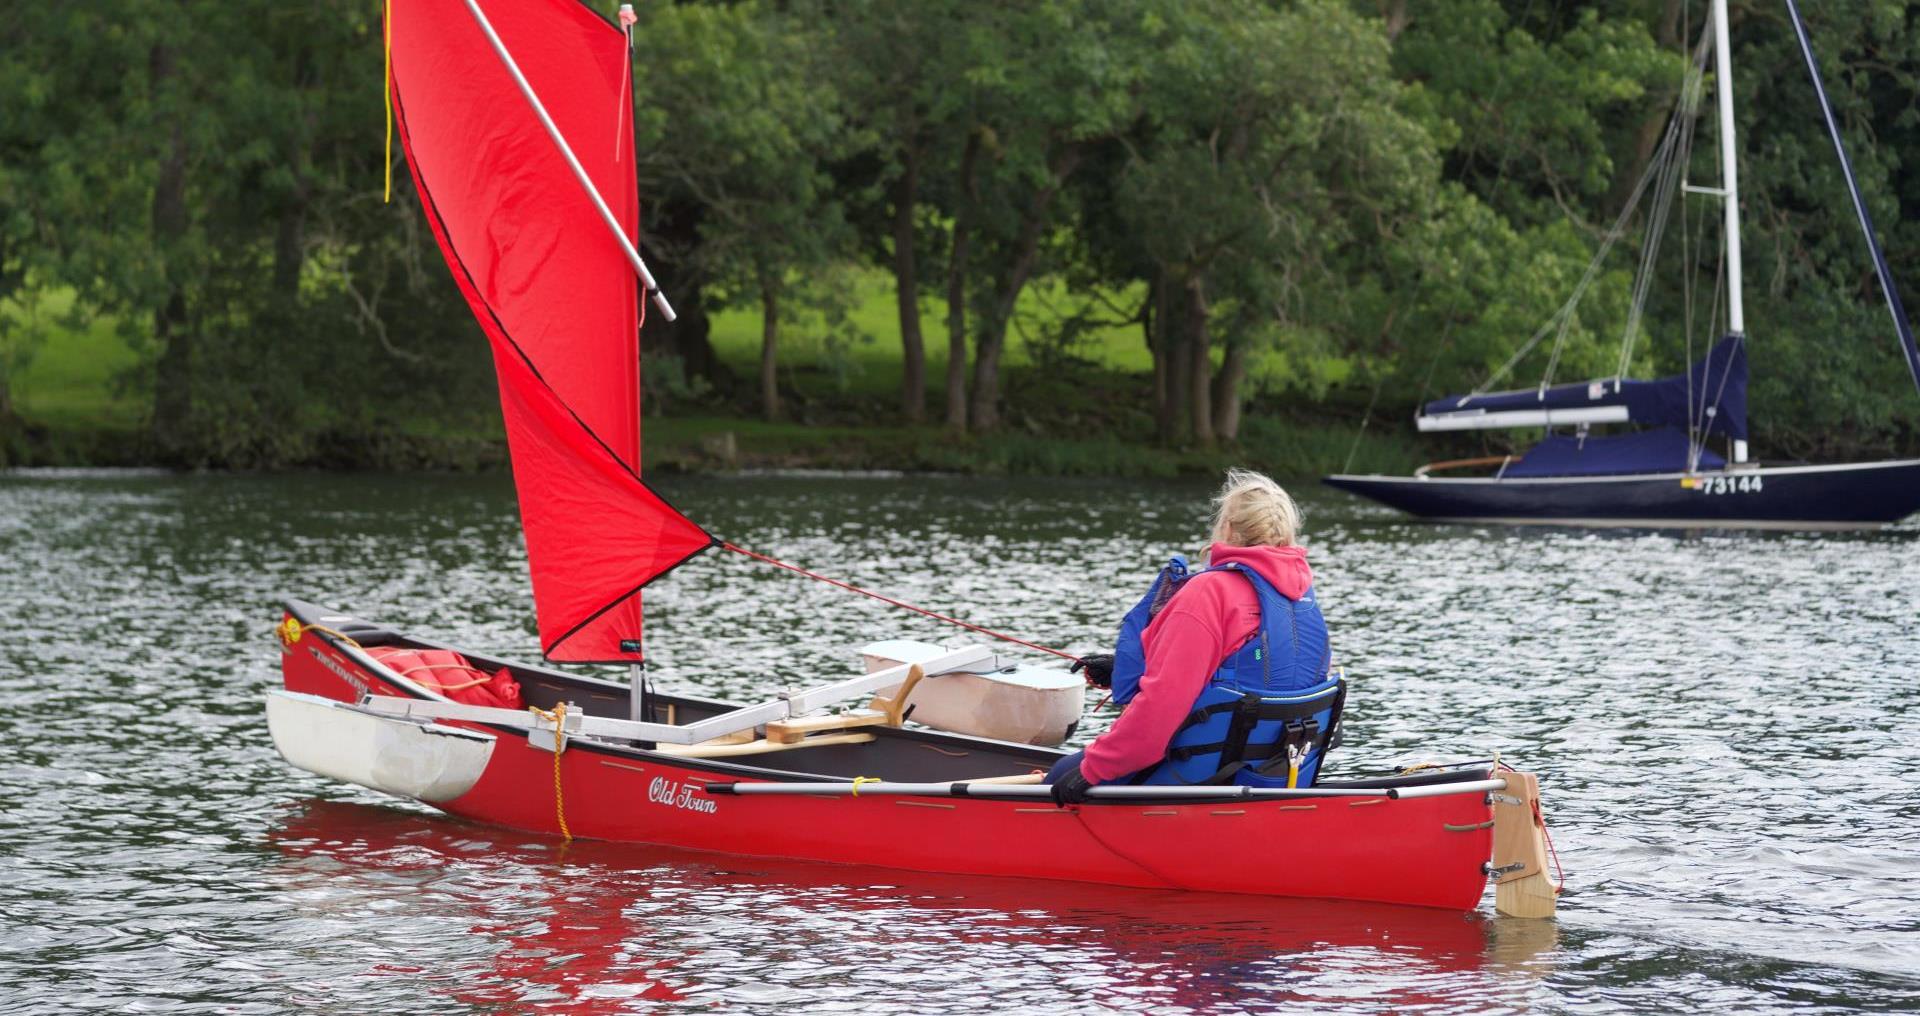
[
  {"x": 888, "y": 599},
  {"x": 1559, "y": 872}
]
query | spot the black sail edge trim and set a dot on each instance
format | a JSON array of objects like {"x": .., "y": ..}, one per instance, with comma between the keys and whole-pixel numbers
[
  {"x": 433, "y": 209},
  {"x": 547, "y": 651},
  {"x": 602, "y": 18}
]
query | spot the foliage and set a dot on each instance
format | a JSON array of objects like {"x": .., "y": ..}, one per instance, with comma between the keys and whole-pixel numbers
[{"x": 1282, "y": 205}]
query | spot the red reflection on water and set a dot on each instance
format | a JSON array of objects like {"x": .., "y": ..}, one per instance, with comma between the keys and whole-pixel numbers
[{"x": 576, "y": 925}]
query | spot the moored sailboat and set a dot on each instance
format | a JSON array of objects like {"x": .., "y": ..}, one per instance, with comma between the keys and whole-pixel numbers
[
  {"x": 512, "y": 124},
  {"x": 1667, "y": 474}
]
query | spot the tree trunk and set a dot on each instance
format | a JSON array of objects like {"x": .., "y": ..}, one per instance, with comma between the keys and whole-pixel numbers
[
  {"x": 1394, "y": 14},
  {"x": 289, "y": 237},
  {"x": 686, "y": 338},
  {"x": 1226, "y": 393},
  {"x": 1176, "y": 426},
  {"x": 957, "y": 287},
  {"x": 173, "y": 374},
  {"x": 1153, "y": 323},
  {"x": 1647, "y": 136},
  {"x": 10, "y": 278},
  {"x": 993, "y": 335},
  {"x": 906, "y": 286},
  {"x": 289, "y": 249},
  {"x": 769, "y": 349},
  {"x": 1201, "y": 379},
  {"x": 1669, "y": 34},
  {"x": 984, "y": 410}
]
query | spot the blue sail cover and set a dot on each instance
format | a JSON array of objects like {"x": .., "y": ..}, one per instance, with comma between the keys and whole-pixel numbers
[
  {"x": 1661, "y": 450},
  {"x": 1719, "y": 387}
]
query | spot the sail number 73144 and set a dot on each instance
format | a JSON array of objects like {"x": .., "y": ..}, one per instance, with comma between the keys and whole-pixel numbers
[{"x": 1748, "y": 484}]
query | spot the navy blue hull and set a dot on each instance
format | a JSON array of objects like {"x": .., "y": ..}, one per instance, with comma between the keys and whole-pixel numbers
[{"x": 1853, "y": 495}]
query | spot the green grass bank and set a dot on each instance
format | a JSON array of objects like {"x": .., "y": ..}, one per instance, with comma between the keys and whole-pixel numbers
[{"x": 1083, "y": 409}]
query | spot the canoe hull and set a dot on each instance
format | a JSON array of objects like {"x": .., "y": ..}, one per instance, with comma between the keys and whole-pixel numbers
[
  {"x": 1429, "y": 851},
  {"x": 1849, "y": 496}
]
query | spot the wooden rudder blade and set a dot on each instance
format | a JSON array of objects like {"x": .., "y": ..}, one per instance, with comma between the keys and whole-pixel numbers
[{"x": 1521, "y": 885}]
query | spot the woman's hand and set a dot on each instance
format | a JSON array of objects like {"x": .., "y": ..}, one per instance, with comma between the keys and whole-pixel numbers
[
  {"x": 1070, "y": 788},
  {"x": 1097, "y": 668}
]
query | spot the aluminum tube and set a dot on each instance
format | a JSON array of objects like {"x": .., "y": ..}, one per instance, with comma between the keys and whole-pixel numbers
[
  {"x": 1729, "y": 166},
  {"x": 566, "y": 152},
  {"x": 1128, "y": 793}
]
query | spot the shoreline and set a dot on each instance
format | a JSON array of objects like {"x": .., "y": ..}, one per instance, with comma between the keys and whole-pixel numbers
[{"x": 727, "y": 445}]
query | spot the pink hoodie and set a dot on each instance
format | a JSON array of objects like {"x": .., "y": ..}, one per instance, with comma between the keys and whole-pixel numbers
[{"x": 1210, "y": 618}]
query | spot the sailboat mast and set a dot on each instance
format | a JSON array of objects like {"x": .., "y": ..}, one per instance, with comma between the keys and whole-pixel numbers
[
  {"x": 1729, "y": 166},
  {"x": 1729, "y": 181},
  {"x": 636, "y": 670}
]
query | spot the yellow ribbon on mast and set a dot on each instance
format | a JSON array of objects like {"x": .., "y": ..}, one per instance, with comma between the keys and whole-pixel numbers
[{"x": 386, "y": 91}]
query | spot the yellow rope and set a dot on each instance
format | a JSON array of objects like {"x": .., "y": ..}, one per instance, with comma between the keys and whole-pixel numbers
[
  {"x": 858, "y": 780},
  {"x": 386, "y": 89},
  {"x": 290, "y": 631},
  {"x": 558, "y": 715}
]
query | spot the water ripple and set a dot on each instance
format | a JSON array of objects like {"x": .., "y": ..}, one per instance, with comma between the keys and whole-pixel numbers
[{"x": 1725, "y": 725}]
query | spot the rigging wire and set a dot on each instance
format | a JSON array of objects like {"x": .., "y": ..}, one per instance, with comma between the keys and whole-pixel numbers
[
  {"x": 1659, "y": 214},
  {"x": 1661, "y": 167},
  {"x": 1697, "y": 414},
  {"x": 1612, "y": 236},
  {"x": 1365, "y": 419},
  {"x": 850, "y": 587}
]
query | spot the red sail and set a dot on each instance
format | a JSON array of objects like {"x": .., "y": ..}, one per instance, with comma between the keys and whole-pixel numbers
[{"x": 551, "y": 288}]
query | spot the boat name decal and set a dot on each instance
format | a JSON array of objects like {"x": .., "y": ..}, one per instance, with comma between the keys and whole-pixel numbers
[
  {"x": 1749, "y": 484},
  {"x": 344, "y": 674},
  {"x": 674, "y": 795}
]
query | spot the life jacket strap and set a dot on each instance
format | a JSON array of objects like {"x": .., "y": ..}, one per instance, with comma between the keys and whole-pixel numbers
[{"x": 1250, "y": 710}]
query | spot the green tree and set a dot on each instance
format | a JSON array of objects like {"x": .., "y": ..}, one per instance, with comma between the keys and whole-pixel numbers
[
  {"x": 1275, "y": 145},
  {"x": 742, "y": 117},
  {"x": 899, "y": 65}
]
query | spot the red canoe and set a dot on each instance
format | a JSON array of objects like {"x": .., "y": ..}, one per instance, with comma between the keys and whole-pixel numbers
[
  {"x": 515, "y": 122},
  {"x": 1381, "y": 841}
]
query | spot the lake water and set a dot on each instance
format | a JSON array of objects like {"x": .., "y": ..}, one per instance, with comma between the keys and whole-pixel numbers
[{"x": 1727, "y": 729}]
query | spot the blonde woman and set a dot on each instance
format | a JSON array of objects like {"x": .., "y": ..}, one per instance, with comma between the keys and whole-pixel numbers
[{"x": 1223, "y": 671}]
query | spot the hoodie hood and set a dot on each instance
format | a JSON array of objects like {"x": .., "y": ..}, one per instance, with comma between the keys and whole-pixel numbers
[{"x": 1285, "y": 567}]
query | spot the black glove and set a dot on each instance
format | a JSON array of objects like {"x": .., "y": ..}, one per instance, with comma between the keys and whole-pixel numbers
[
  {"x": 1098, "y": 667},
  {"x": 1070, "y": 788}
]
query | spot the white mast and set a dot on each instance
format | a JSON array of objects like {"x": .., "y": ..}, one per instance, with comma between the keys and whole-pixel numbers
[{"x": 1729, "y": 181}]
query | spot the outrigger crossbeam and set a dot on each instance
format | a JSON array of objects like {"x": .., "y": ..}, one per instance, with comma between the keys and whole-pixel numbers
[{"x": 575, "y": 723}]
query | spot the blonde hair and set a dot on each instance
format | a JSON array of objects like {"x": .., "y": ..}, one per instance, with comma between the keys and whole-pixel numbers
[{"x": 1251, "y": 510}]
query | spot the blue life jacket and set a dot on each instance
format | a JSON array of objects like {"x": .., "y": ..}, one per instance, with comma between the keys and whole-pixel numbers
[{"x": 1271, "y": 711}]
